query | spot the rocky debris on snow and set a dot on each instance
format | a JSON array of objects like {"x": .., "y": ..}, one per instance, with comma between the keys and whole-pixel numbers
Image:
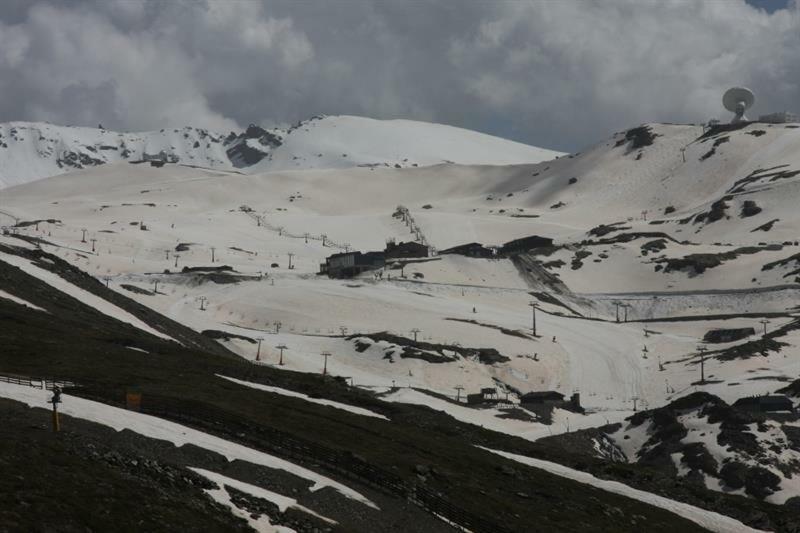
[
  {"x": 715, "y": 213},
  {"x": 136, "y": 290},
  {"x": 504, "y": 331},
  {"x": 717, "y": 143},
  {"x": 654, "y": 246},
  {"x": 604, "y": 229},
  {"x": 768, "y": 175},
  {"x": 637, "y": 138},
  {"x": 766, "y": 226},
  {"x": 394, "y": 345},
  {"x": 701, "y": 437},
  {"x": 749, "y": 209},
  {"x": 293, "y": 518},
  {"x": 577, "y": 259},
  {"x": 695, "y": 264},
  {"x": 225, "y": 336},
  {"x": 791, "y": 261}
]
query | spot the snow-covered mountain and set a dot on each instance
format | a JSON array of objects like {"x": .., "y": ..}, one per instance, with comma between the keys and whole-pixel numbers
[
  {"x": 663, "y": 206},
  {"x": 723, "y": 448},
  {"x": 664, "y": 237},
  {"x": 31, "y": 151}
]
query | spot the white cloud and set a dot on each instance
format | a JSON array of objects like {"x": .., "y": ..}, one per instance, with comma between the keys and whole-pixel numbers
[
  {"x": 556, "y": 73},
  {"x": 14, "y": 43}
]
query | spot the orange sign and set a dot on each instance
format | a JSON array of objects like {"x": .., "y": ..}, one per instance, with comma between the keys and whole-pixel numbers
[{"x": 133, "y": 401}]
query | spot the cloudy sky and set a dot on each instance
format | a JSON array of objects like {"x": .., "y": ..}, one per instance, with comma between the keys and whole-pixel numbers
[{"x": 555, "y": 73}]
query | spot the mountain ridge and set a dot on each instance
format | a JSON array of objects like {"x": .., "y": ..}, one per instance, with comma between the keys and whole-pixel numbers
[{"x": 34, "y": 150}]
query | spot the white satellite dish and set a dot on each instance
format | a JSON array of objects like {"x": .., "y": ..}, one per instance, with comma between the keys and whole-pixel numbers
[{"x": 737, "y": 100}]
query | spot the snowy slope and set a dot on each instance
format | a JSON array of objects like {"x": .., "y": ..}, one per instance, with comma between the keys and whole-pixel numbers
[
  {"x": 31, "y": 151},
  {"x": 721, "y": 203},
  {"x": 347, "y": 141},
  {"x": 605, "y": 251},
  {"x": 202, "y": 208}
]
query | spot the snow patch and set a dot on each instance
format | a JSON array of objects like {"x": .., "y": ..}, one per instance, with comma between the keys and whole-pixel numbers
[{"x": 300, "y": 395}]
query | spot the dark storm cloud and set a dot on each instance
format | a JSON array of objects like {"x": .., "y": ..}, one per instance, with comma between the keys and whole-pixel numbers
[{"x": 553, "y": 73}]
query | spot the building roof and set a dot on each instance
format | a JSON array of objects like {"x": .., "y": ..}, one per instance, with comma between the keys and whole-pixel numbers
[
  {"x": 542, "y": 395},
  {"x": 766, "y": 403}
]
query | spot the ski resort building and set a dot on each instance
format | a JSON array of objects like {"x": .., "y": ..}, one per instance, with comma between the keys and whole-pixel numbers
[
  {"x": 524, "y": 244},
  {"x": 728, "y": 335},
  {"x": 160, "y": 158},
  {"x": 473, "y": 249},
  {"x": 531, "y": 400},
  {"x": 781, "y": 117},
  {"x": 405, "y": 249},
  {"x": 349, "y": 264},
  {"x": 488, "y": 397},
  {"x": 765, "y": 404}
]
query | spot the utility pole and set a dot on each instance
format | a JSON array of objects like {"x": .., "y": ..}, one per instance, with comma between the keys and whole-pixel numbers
[
  {"x": 83, "y": 239},
  {"x": 55, "y": 400},
  {"x": 281, "y": 347},
  {"x": 258, "y": 350},
  {"x": 203, "y": 301},
  {"x": 533, "y": 306},
  {"x": 278, "y": 325},
  {"x": 702, "y": 350},
  {"x": 324, "y": 240},
  {"x": 616, "y": 306},
  {"x": 155, "y": 288},
  {"x": 94, "y": 241},
  {"x": 290, "y": 260},
  {"x": 764, "y": 322},
  {"x": 415, "y": 331},
  {"x": 343, "y": 330},
  {"x": 166, "y": 255},
  {"x": 626, "y": 307},
  {"x": 305, "y": 235},
  {"x": 325, "y": 367},
  {"x": 106, "y": 279},
  {"x": 280, "y": 231},
  {"x": 458, "y": 393},
  {"x": 258, "y": 220},
  {"x": 644, "y": 352},
  {"x": 660, "y": 366},
  {"x": 213, "y": 257},
  {"x": 635, "y": 399},
  {"x": 176, "y": 260}
]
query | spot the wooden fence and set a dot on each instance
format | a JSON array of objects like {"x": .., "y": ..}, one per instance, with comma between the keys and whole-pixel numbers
[{"x": 39, "y": 383}]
